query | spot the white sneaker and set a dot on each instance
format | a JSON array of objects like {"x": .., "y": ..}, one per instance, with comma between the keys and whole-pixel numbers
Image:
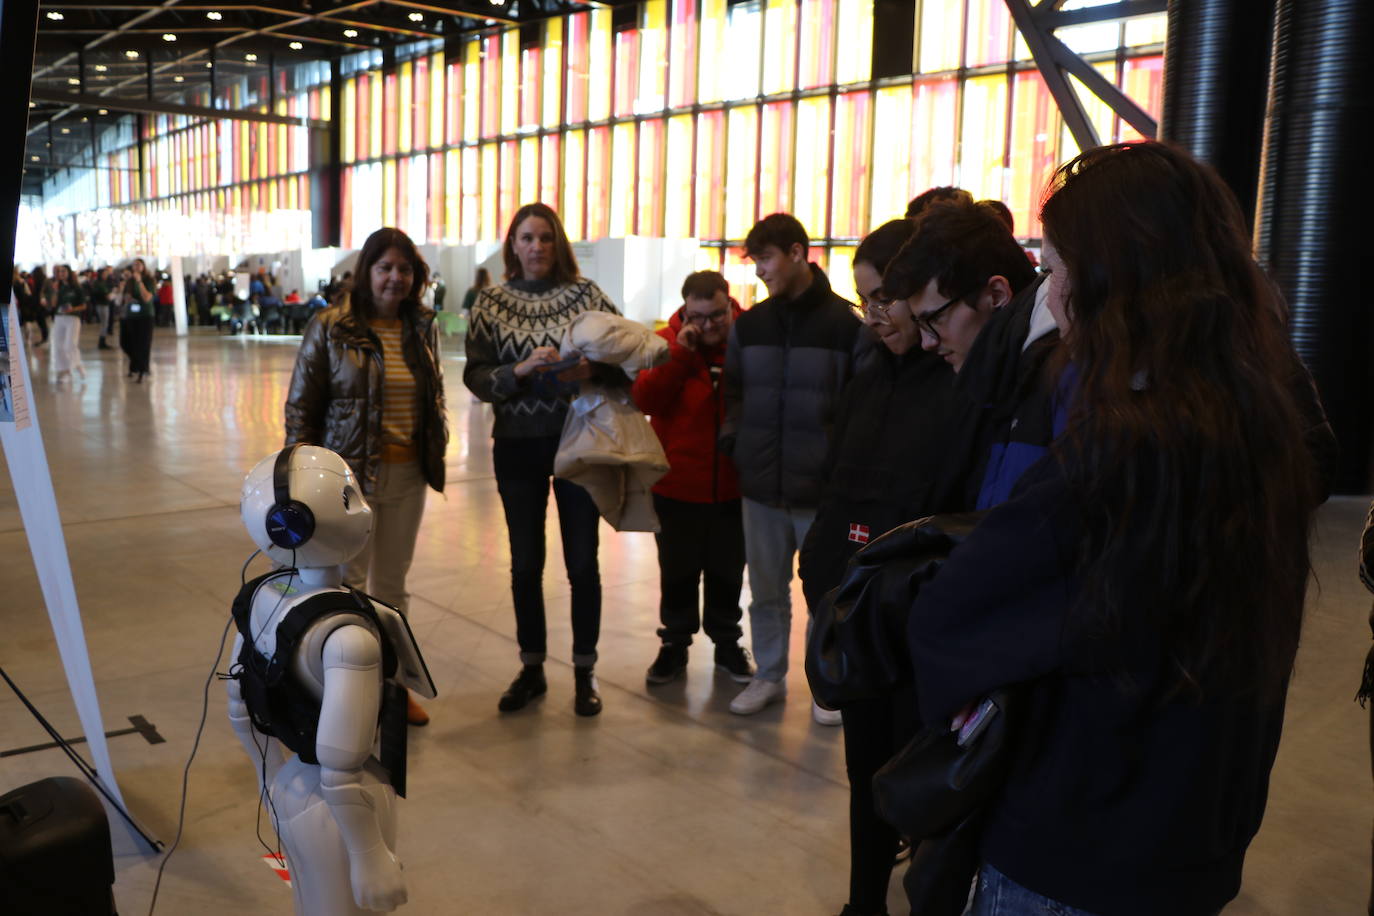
[
  {"x": 756, "y": 696},
  {"x": 825, "y": 716}
]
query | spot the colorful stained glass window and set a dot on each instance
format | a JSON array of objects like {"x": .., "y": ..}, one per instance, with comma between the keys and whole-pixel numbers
[
  {"x": 779, "y": 46},
  {"x": 983, "y": 136},
  {"x": 817, "y": 40},
  {"x": 891, "y": 153},
  {"x": 529, "y": 171},
  {"x": 710, "y": 175},
  {"x": 650, "y": 191},
  {"x": 531, "y": 101},
  {"x": 1034, "y": 143},
  {"x": 578, "y": 63},
  {"x": 989, "y": 33},
  {"x": 622, "y": 180},
  {"x": 510, "y": 81},
  {"x": 937, "y": 38},
  {"x": 682, "y": 57},
  {"x": 552, "y": 79},
  {"x": 740, "y": 64},
  {"x": 741, "y": 171},
  {"x": 599, "y": 66},
  {"x": 934, "y": 123},
  {"x": 811, "y": 196},
  {"x": 598, "y": 182},
  {"x": 652, "y": 88},
  {"x": 677, "y": 178},
  {"x": 550, "y": 162},
  {"x": 855, "y": 63},
  {"x": 1143, "y": 81},
  {"x": 849, "y": 202},
  {"x": 572, "y": 204},
  {"x": 711, "y": 73},
  {"x": 626, "y": 72},
  {"x": 470, "y": 228},
  {"x": 775, "y": 159}
]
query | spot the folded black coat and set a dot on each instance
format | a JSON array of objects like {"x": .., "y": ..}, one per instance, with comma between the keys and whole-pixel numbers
[{"x": 858, "y": 646}]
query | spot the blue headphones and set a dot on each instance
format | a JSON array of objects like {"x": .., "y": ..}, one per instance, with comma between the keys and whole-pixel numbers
[{"x": 290, "y": 523}]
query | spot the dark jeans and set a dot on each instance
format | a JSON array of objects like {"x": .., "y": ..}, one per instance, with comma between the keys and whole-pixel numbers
[
  {"x": 523, "y": 468},
  {"x": 874, "y": 730},
  {"x": 699, "y": 541}
]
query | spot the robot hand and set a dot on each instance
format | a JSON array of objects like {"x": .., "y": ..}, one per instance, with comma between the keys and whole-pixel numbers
[{"x": 378, "y": 883}]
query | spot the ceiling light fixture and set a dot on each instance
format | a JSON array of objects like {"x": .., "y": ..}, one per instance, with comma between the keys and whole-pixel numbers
[
  {"x": 209, "y": 65},
  {"x": 66, "y": 130},
  {"x": 132, "y": 55},
  {"x": 55, "y": 16},
  {"x": 295, "y": 46},
  {"x": 73, "y": 81},
  {"x": 168, "y": 36},
  {"x": 417, "y": 17},
  {"x": 350, "y": 33},
  {"x": 85, "y": 120},
  {"x": 178, "y": 79},
  {"x": 33, "y": 158},
  {"x": 101, "y": 68},
  {"x": 214, "y": 15},
  {"x": 250, "y": 57},
  {"x": 103, "y": 111}
]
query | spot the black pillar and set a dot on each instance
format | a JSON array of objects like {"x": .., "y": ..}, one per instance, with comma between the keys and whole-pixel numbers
[
  {"x": 326, "y": 176},
  {"x": 1216, "y": 74},
  {"x": 1315, "y": 197},
  {"x": 18, "y": 32}
]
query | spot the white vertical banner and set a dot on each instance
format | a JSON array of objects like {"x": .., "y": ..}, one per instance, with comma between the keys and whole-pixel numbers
[
  {"x": 178, "y": 296},
  {"x": 33, "y": 490}
]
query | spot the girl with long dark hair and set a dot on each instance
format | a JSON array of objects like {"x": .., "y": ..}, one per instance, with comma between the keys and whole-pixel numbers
[{"x": 1146, "y": 579}]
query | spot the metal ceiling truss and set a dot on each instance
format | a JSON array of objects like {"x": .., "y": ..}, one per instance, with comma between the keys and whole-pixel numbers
[
  {"x": 99, "y": 55},
  {"x": 1057, "y": 62}
]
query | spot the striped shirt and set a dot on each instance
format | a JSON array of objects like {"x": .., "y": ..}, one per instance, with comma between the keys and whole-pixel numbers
[{"x": 400, "y": 395}]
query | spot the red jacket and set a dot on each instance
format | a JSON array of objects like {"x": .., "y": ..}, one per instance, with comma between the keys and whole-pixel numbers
[{"x": 685, "y": 408}]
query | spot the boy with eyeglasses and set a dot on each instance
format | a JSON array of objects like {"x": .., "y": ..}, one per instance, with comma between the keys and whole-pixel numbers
[
  {"x": 701, "y": 536},
  {"x": 977, "y": 303}
]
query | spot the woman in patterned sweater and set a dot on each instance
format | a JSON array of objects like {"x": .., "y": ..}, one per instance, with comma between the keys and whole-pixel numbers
[{"x": 515, "y": 329}]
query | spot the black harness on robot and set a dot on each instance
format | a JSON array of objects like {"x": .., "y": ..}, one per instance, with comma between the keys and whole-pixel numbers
[{"x": 282, "y": 707}]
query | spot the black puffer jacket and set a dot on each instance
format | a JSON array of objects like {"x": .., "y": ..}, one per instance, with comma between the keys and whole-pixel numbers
[
  {"x": 785, "y": 366},
  {"x": 336, "y": 391},
  {"x": 896, "y": 456}
]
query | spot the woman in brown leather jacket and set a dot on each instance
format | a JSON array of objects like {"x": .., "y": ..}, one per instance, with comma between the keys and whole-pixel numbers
[{"x": 369, "y": 386}]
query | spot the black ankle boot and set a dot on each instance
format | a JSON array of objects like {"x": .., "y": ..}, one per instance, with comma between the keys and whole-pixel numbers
[
  {"x": 586, "y": 701},
  {"x": 528, "y": 684}
]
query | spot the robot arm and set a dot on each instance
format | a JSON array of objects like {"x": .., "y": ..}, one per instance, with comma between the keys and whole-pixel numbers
[
  {"x": 266, "y": 753},
  {"x": 348, "y": 725}
]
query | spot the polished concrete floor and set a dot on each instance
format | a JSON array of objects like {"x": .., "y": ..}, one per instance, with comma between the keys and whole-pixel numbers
[{"x": 665, "y": 804}]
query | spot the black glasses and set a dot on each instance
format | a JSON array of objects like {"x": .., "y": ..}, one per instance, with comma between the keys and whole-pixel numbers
[
  {"x": 715, "y": 317},
  {"x": 926, "y": 320}
]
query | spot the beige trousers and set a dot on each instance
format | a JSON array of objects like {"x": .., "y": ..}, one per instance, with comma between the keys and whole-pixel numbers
[{"x": 397, "y": 504}]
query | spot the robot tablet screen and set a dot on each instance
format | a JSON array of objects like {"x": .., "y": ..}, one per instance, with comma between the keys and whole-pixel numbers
[{"x": 411, "y": 670}]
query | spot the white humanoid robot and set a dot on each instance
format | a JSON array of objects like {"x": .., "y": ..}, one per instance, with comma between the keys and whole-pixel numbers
[{"x": 321, "y": 670}]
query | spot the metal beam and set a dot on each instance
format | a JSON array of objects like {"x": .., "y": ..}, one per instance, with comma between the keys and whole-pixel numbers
[
  {"x": 143, "y": 106},
  {"x": 18, "y": 26},
  {"x": 1056, "y": 61},
  {"x": 1122, "y": 9}
]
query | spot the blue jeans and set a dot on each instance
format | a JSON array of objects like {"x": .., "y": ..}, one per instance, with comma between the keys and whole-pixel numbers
[
  {"x": 523, "y": 468},
  {"x": 771, "y": 539},
  {"x": 998, "y": 895}
]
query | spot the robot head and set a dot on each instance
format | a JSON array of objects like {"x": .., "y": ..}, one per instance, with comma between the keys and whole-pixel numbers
[{"x": 303, "y": 507}]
